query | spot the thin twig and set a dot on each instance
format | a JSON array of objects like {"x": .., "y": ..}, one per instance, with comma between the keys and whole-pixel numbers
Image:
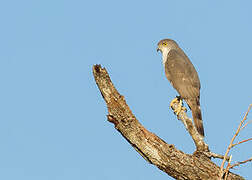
[
  {"x": 232, "y": 140},
  {"x": 241, "y": 162},
  {"x": 246, "y": 124},
  {"x": 227, "y": 169},
  {"x": 243, "y": 141},
  {"x": 214, "y": 155}
]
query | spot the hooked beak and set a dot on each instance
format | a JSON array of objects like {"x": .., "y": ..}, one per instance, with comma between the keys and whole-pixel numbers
[{"x": 158, "y": 49}]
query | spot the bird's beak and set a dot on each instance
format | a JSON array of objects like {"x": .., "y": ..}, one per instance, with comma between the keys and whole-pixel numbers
[{"x": 158, "y": 49}]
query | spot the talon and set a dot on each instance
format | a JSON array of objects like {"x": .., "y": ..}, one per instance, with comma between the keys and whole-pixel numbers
[
  {"x": 178, "y": 110},
  {"x": 180, "y": 107},
  {"x": 184, "y": 109},
  {"x": 175, "y": 100}
]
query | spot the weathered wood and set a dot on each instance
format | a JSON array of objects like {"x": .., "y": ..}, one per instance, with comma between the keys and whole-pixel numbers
[{"x": 165, "y": 156}]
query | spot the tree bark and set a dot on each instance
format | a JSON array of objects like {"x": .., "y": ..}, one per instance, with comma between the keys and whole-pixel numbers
[{"x": 165, "y": 156}]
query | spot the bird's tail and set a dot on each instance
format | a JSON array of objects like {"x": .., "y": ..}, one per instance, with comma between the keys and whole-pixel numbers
[{"x": 197, "y": 117}]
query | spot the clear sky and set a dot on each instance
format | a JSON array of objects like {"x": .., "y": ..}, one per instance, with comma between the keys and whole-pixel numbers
[{"x": 53, "y": 118}]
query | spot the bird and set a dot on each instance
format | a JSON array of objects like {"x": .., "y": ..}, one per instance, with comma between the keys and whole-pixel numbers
[{"x": 183, "y": 76}]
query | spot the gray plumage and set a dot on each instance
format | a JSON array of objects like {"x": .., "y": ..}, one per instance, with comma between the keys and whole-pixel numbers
[{"x": 184, "y": 78}]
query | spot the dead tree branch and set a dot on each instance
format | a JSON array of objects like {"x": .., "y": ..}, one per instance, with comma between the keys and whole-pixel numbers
[
  {"x": 241, "y": 162},
  {"x": 201, "y": 146},
  {"x": 165, "y": 156},
  {"x": 231, "y": 144}
]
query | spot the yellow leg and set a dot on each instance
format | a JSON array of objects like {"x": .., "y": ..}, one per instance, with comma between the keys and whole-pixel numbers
[{"x": 180, "y": 107}]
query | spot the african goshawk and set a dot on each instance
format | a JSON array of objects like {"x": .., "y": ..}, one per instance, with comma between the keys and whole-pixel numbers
[{"x": 182, "y": 75}]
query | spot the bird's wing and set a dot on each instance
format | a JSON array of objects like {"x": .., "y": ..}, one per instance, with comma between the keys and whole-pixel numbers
[{"x": 182, "y": 74}]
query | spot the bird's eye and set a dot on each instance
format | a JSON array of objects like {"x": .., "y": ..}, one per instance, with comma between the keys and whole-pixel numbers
[{"x": 164, "y": 44}]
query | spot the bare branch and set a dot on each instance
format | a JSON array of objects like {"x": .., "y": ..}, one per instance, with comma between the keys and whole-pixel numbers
[
  {"x": 156, "y": 151},
  {"x": 232, "y": 140},
  {"x": 227, "y": 169},
  {"x": 243, "y": 141},
  {"x": 197, "y": 138},
  {"x": 241, "y": 162},
  {"x": 214, "y": 155},
  {"x": 246, "y": 124}
]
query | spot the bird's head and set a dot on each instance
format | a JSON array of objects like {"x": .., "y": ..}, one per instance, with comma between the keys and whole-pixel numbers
[{"x": 166, "y": 45}]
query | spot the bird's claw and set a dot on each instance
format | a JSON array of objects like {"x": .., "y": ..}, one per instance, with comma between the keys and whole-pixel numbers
[{"x": 180, "y": 105}]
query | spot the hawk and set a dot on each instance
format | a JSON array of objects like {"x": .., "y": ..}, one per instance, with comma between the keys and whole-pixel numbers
[{"x": 183, "y": 77}]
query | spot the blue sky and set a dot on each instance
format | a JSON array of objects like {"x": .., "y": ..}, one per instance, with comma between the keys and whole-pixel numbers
[{"x": 53, "y": 118}]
